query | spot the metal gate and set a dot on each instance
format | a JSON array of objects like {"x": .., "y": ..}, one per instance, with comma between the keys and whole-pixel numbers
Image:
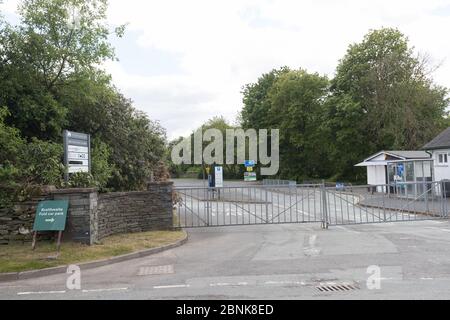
[
  {"x": 271, "y": 204},
  {"x": 242, "y": 205},
  {"x": 405, "y": 201}
]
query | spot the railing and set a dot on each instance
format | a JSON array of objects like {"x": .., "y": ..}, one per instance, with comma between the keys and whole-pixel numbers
[
  {"x": 336, "y": 205},
  {"x": 386, "y": 203},
  {"x": 278, "y": 182},
  {"x": 199, "y": 207}
]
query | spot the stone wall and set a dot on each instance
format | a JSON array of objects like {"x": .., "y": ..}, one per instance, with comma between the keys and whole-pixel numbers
[
  {"x": 16, "y": 222},
  {"x": 121, "y": 212},
  {"x": 93, "y": 216},
  {"x": 81, "y": 225}
]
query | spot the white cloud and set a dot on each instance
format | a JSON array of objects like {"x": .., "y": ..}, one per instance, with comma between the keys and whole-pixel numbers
[
  {"x": 226, "y": 45},
  {"x": 223, "y": 45}
]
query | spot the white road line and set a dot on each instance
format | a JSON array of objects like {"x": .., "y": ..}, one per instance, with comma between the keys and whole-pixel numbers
[
  {"x": 172, "y": 286},
  {"x": 311, "y": 249},
  {"x": 101, "y": 290},
  {"x": 346, "y": 229},
  {"x": 40, "y": 292},
  {"x": 437, "y": 228},
  {"x": 312, "y": 240},
  {"x": 222, "y": 284},
  {"x": 284, "y": 282}
]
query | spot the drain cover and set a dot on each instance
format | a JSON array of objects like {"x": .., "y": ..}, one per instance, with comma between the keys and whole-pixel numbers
[
  {"x": 153, "y": 270},
  {"x": 336, "y": 287}
]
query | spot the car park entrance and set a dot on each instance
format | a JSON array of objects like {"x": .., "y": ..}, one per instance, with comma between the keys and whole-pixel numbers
[{"x": 309, "y": 203}]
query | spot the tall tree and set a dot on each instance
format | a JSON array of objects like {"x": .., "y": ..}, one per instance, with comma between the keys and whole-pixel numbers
[
  {"x": 55, "y": 42},
  {"x": 382, "y": 97},
  {"x": 50, "y": 80},
  {"x": 296, "y": 104},
  {"x": 256, "y": 103},
  {"x": 291, "y": 101}
]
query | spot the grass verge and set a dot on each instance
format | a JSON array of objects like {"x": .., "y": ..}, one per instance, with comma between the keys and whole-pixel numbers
[{"x": 20, "y": 257}]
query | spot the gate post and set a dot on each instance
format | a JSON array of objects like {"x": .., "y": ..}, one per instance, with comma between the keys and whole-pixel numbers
[
  {"x": 444, "y": 199},
  {"x": 267, "y": 205},
  {"x": 324, "y": 206},
  {"x": 207, "y": 206}
]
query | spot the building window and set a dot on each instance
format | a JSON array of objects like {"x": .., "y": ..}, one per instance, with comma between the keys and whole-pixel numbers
[{"x": 442, "y": 158}]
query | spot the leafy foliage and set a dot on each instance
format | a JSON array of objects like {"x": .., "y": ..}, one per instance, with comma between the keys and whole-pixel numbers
[
  {"x": 82, "y": 180},
  {"x": 293, "y": 102},
  {"x": 41, "y": 163},
  {"x": 230, "y": 171},
  {"x": 50, "y": 81},
  {"x": 102, "y": 170},
  {"x": 382, "y": 97},
  {"x": 22, "y": 165}
]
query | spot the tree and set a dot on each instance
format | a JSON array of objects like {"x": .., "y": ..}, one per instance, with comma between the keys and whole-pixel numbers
[
  {"x": 291, "y": 101},
  {"x": 256, "y": 103},
  {"x": 382, "y": 98},
  {"x": 56, "y": 41},
  {"x": 230, "y": 171},
  {"x": 50, "y": 81},
  {"x": 296, "y": 105}
]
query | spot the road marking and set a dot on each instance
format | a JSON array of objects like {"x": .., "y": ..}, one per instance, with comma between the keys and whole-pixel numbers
[
  {"x": 222, "y": 284},
  {"x": 311, "y": 250},
  {"x": 40, "y": 292},
  {"x": 426, "y": 278},
  {"x": 346, "y": 229},
  {"x": 285, "y": 282},
  {"x": 172, "y": 286},
  {"x": 155, "y": 270},
  {"x": 436, "y": 228},
  {"x": 101, "y": 290}
]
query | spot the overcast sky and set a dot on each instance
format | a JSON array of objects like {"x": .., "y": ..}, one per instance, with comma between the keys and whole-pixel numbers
[{"x": 183, "y": 62}]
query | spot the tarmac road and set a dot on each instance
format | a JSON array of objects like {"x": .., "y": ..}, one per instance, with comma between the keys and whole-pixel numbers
[{"x": 273, "y": 261}]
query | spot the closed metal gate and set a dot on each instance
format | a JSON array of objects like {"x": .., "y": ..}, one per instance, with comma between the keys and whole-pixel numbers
[
  {"x": 201, "y": 207},
  {"x": 405, "y": 201},
  {"x": 343, "y": 205}
]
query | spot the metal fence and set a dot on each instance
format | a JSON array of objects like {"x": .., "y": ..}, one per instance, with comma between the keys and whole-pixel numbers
[
  {"x": 271, "y": 182},
  {"x": 200, "y": 207},
  {"x": 338, "y": 205},
  {"x": 386, "y": 203}
]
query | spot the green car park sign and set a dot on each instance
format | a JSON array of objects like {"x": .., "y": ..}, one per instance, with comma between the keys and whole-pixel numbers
[{"x": 51, "y": 215}]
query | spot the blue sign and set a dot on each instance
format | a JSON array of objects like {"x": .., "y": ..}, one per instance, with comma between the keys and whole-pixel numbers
[
  {"x": 400, "y": 169},
  {"x": 210, "y": 181},
  {"x": 339, "y": 186},
  {"x": 249, "y": 163}
]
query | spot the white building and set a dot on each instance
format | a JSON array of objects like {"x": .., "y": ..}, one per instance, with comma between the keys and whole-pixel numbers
[
  {"x": 396, "y": 167},
  {"x": 439, "y": 150}
]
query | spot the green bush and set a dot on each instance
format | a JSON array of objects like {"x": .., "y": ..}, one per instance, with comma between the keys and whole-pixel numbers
[
  {"x": 82, "y": 180},
  {"x": 41, "y": 163},
  {"x": 10, "y": 144}
]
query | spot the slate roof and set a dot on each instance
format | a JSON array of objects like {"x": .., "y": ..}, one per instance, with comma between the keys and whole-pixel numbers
[
  {"x": 441, "y": 141},
  {"x": 409, "y": 154},
  {"x": 405, "y": 154}
]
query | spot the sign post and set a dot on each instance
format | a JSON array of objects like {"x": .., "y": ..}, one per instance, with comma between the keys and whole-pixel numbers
[
  {"x": 51, "y": 215},
  {"x": 77, "y": 152},
  {"x": 249, "y": 175},
  {"x": 218, "y": 176}
]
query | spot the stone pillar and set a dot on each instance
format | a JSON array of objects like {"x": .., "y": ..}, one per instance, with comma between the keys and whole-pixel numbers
[
  {"x": 162, "y": 194},
  {"x": 82, "y": 222}
]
